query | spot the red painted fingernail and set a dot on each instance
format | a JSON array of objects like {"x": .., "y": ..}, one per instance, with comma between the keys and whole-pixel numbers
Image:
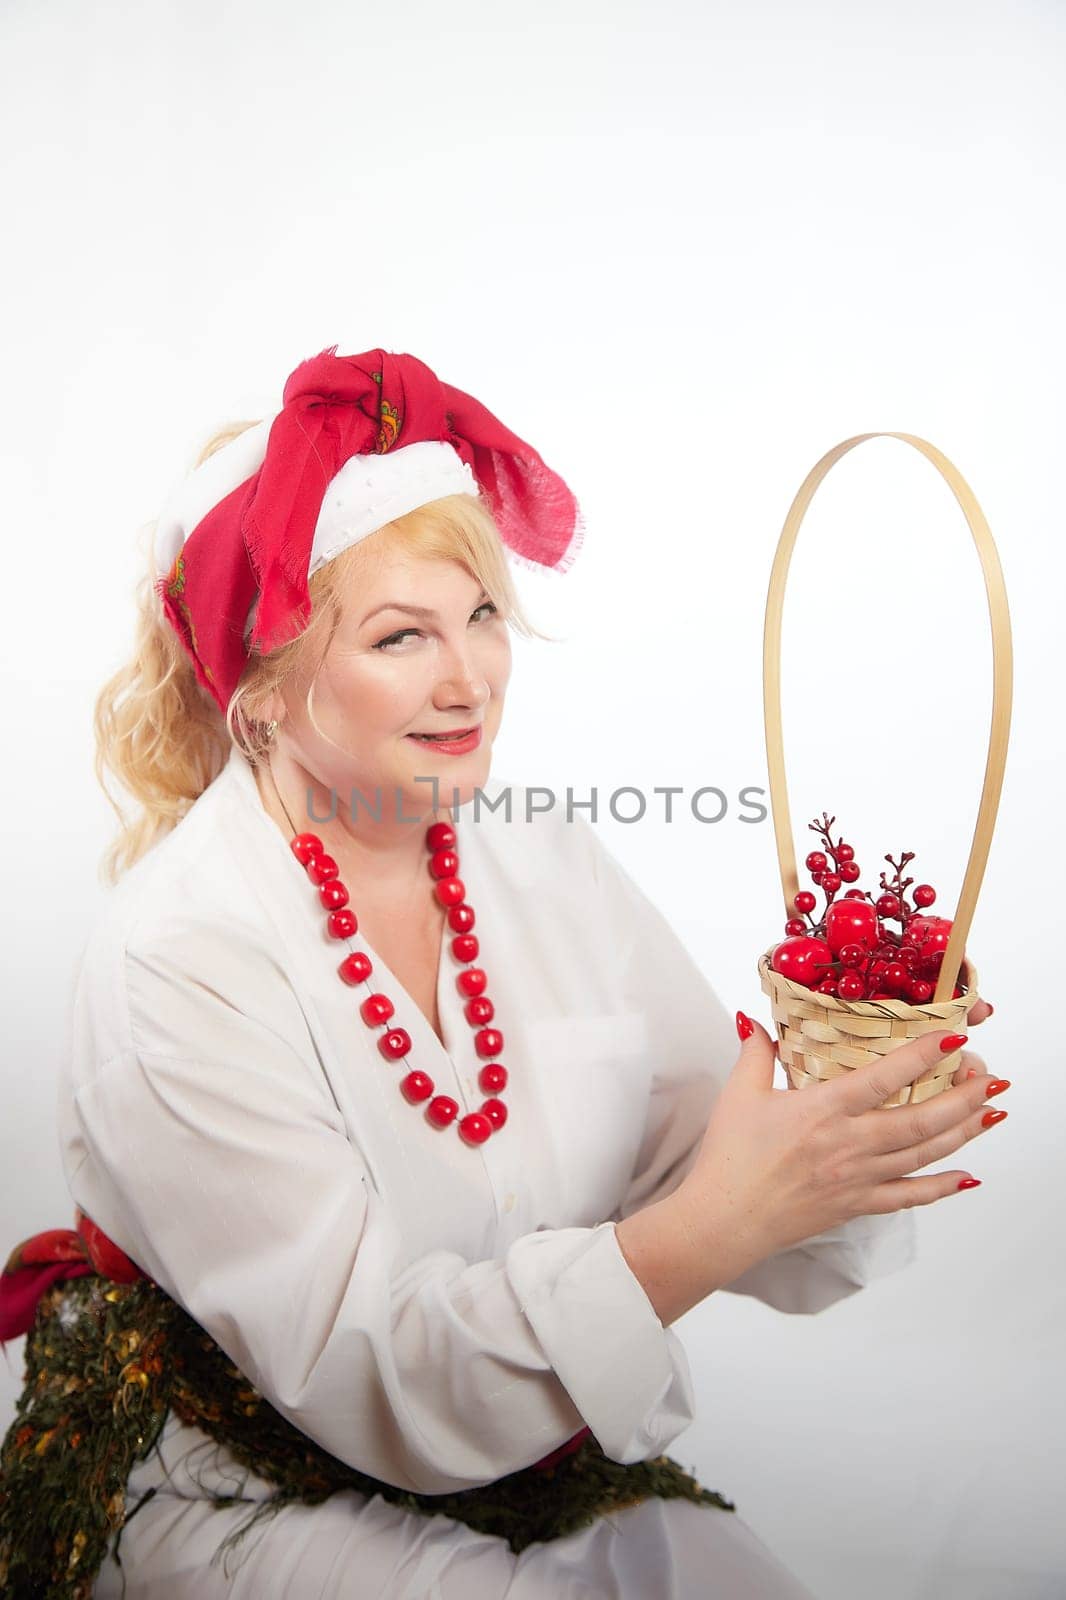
[
  {"x": 992, "y": 1117},
  {"x": 745, "y": 1026},
  {"x": 954, "y": 1041},
  {"x": 997, "y": 1087},
  {"x": 970, "y": 1183}
]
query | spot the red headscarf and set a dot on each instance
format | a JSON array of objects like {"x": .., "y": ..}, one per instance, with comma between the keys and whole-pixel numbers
[{"x": 258, "y": 539}]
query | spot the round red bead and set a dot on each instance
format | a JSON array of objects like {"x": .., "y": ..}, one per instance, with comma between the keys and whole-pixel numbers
[
  {"x": 496, "y": 1112},
  {"x": 460, "y": 918},
  {"x": 356, "y": 967},
  {"x": 444, "y": 864},
  {"x": 475, "y": 1127},
  {"x": 321, "y": 868},
  {"x": 480, "y": 1011},
  {"x": 465, "y": 947},
  {"x": 441, "y": 836},
  {"x": 472, "y": 982},
  {"x": 493, "y": 1078},
  {"x": 449, "y": 891},
  {"x": 376, "y": 1008},
  {"x": 341, "y": 924},
  {"x": 417, "y": 1086},
  {"x": 395, "y": 1043},
  {"x": 489, "y": 1042},
  {"x": 333, "y": 895},
  {"x": 304, "y": 846},
  {"x": 442, "y": 1110}
]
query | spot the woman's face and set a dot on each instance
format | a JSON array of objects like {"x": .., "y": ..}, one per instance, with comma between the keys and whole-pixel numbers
[{"x": 392, "y": 672}]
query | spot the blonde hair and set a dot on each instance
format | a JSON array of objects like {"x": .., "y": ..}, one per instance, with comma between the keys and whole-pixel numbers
[{"x": 162, "y": 735}]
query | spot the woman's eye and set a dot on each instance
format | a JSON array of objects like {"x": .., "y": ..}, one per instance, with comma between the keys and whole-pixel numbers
[{"x": 394, "y": 638}]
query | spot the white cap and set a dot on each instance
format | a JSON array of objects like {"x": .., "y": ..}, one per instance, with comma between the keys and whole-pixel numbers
[{"x": 368, "y": 491}]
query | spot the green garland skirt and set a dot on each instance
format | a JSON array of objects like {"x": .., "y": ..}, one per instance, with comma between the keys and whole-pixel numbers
[{"x": 107, "y": 1361}]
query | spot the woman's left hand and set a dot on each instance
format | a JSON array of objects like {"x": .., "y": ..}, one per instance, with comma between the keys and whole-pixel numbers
[{"x": 980, "y": 1011}]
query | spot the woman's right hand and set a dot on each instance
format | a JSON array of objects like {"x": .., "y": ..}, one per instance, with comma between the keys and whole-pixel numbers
[{"x": 775, "y": 1168}]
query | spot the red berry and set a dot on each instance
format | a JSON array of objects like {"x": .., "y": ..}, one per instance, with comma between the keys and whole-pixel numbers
[
  {"x": 849, "y": 871},
  {"x": 850, "y": 922},
  {"x": 855, "y": 894},
  {"x": 816, "y": 877},
  {"x": 896, "y": 977},
  {"x": 924, "y": 895},
  {"x": 804, "y": 901},
  {"x": 851, "y": 955},
  {"x": 888, "y": 905},
  {"x": 827, "y": 986},
  {"x": 851, "y": 986},
  {"x": 844, "y": 852},
  {"x": 919, "y": 991},
  {"x": 816, "y": 861},
  {"x": 795, "y": 926},
  {"x": 804, "y": 960},
  {"x": 831, "y": 882}
]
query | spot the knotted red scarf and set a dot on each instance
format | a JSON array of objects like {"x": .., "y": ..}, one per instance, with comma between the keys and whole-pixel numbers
[{"x": 258, "y": 539}]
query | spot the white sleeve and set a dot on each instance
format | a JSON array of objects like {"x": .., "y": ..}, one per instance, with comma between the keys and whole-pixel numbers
[
  {"x": 695, "y": 1043},
  {"x": 213, "y": 1154}
]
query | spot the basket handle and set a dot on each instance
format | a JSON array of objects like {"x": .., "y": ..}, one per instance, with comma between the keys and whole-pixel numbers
[{"x": 1002, "y": 678}]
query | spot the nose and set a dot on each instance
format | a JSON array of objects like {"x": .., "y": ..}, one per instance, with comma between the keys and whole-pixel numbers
[{"x": 460, "y": 683}]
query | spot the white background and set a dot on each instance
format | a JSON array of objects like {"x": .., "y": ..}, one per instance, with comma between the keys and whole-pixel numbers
[{"x": 684, "y": 249}]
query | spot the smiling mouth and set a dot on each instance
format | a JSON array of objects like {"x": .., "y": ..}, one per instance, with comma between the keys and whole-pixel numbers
[{"x": 445, "y": 738}]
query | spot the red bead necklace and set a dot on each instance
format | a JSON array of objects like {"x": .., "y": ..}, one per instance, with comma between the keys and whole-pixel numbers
[{"x": 377, "y": 1009}]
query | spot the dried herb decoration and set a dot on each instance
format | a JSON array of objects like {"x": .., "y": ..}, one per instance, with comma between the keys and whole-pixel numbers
[{"x": 106, "y": 1361}]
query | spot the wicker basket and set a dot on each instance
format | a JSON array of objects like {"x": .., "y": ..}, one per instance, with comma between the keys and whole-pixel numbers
[{"x": 819, "y": 1035}]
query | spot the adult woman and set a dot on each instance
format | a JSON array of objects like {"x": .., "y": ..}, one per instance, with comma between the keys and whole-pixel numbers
[{"x": 438, "y": 1288}]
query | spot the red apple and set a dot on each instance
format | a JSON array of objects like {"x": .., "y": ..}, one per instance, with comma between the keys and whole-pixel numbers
[
  {"x": 929, "y": 935},
  {"x": 805, "y": 960},
  {"x": 851, "y": 922}
]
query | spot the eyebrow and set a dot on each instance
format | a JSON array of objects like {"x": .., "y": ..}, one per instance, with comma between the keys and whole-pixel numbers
[{"x": 396, "y": 605}]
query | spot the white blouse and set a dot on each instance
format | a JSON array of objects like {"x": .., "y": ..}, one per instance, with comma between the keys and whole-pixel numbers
[{"x": 433, "y": 1314}]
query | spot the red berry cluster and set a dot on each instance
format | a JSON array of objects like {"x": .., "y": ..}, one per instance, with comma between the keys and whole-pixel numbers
[{"x": 850, "y": 951}]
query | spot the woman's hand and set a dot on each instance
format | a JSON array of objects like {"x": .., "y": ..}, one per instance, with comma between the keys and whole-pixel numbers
[
  {"x": 774, "y": 1169},
  {"x": 978, "y": 1014}
]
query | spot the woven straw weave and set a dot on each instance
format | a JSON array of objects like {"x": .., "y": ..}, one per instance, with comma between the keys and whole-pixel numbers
[{"x": 821, "y": 1037}]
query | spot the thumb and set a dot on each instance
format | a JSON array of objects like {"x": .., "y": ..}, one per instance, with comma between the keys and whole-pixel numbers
[{"x": 758, "y": 1052}]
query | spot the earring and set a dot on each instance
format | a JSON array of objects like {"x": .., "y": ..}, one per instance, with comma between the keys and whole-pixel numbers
[{"x": 271, "y": 730}]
